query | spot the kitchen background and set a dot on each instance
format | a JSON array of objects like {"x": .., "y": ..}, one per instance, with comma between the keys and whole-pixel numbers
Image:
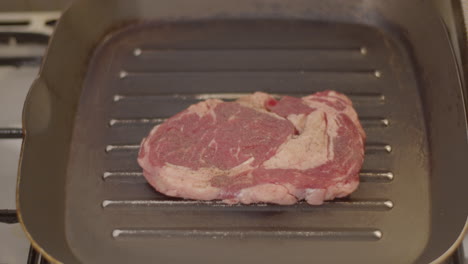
[{"x": 25, "y": 26}]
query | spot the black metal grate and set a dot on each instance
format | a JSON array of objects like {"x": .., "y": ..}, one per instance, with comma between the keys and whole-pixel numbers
[
  {"x": 35, "y": 257},
  {"x": 11, "y": 133},
  {"x": 8, "y": 216}
]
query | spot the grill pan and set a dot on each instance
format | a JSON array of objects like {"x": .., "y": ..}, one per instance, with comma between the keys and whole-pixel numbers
[{"x": 116, "y": 68}]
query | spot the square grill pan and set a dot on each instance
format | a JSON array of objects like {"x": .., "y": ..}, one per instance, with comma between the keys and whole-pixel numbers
[{"x": 108, "y": 79}]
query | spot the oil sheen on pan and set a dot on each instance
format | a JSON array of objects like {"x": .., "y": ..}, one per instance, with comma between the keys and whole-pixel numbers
[{"x": 258, "y": 149}]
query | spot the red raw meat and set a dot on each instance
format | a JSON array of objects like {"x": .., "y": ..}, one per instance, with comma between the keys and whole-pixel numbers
[{"x": 258, "y": 149}]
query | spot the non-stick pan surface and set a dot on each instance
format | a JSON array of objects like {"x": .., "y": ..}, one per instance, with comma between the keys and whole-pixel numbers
[{"x": 116, "y": 68}]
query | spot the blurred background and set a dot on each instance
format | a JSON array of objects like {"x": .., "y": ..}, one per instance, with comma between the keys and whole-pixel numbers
[{"x": 32, "y": 5}]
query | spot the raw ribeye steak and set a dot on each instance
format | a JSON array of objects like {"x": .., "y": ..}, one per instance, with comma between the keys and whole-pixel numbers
[{"x": 258, "y": 149}]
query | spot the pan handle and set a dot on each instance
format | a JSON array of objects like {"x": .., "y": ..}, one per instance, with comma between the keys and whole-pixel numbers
[{"x": 37, "y": 108}]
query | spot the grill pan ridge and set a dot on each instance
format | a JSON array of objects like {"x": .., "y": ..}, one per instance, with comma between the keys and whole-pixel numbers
[{"x": 151, "y": 59}]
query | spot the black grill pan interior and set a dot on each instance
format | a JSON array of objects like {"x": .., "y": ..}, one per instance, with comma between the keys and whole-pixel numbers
[{"x": 149, "y": 72}]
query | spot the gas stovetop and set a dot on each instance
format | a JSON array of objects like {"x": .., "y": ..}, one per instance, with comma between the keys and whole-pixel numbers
[{"x": 23, "y": 41}]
